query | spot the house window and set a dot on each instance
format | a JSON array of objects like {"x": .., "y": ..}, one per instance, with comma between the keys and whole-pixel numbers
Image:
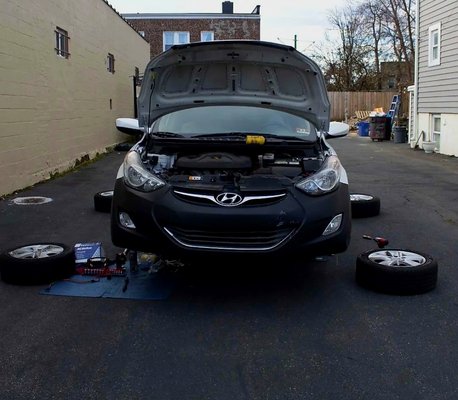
[
  {"x": 171, "y": 38},
  {"x": 207, "y": 36},
  {"x": 62, "y": 42},
  {"x": 434, "y": 51},
  {"x": 436, "y": 130},
  {"x": 110, "y": 63}
]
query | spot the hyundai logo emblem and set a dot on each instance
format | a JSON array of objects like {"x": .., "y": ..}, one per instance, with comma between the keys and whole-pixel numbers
[{"x": 228, "y": 199}]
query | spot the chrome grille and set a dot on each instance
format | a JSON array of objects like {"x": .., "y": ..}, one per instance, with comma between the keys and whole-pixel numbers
[
  {"x": 258, "y": 199},
  {"x": 224, "y": 240}
]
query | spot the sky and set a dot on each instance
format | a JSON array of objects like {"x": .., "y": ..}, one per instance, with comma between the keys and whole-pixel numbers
[{"x": 280, "y": 19}]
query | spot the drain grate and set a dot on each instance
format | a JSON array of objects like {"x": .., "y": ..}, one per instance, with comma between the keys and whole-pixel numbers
[{"x": 31, "y": 200}]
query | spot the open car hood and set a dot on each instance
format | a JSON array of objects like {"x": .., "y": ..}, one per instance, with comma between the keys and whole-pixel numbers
[{"x": 247, "y": 73}]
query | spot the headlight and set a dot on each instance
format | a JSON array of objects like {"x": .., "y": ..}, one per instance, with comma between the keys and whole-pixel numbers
[
  {"x": 137, "y": 176},
  {"x": 323, "y": 181}
]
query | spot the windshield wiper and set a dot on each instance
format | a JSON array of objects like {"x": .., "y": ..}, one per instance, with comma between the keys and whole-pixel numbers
[
  {"x": 167, "y": 134},
  {"x": 226, "y": 134},
  {"x": 245, "y": 134},
  {"x": 281, "y": 137}
]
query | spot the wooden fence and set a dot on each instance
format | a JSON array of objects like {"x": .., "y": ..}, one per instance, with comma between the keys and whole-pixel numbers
[{"x": 344, "y": 104}]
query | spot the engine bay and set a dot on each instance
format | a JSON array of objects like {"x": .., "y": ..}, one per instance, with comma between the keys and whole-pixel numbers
[{"x": 215, "y": 170}]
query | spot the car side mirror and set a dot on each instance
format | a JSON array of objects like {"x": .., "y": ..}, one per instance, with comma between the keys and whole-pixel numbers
[
  {"x": 128, "y": 126},
  {"x": 337, "y": 129}
]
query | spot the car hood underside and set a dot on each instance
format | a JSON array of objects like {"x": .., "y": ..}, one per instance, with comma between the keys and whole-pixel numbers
[{"x": 246, "y": 73}]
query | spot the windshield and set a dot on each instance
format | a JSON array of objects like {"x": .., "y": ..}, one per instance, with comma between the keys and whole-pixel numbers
[{"x": 220, "y": 120}]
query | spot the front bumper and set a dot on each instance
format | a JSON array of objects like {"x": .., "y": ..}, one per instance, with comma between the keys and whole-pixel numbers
[{"x": 174, "y": 228}]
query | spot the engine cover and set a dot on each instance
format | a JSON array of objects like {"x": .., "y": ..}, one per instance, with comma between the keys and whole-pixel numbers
[{"x": 214, "y": 161}]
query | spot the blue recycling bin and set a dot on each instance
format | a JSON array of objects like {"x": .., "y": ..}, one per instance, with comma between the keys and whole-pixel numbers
[{"x": 363, "y": 128}]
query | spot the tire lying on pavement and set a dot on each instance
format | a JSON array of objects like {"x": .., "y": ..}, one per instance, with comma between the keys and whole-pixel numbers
[
  {"x": 123, "y": 147},
  {"x": 396, "y": 271},
  {"x": 102, "y": 201},
  {"x": 364, "y": 205},
  {"x": 37, "y": 263}
]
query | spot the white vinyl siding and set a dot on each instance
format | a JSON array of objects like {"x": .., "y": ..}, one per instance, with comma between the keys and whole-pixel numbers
[{"x": 438, "y": 83}]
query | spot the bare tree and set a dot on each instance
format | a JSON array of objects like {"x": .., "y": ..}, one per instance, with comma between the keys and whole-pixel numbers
[
  {"x": 369, "y": 32},
  {"x": 346, "y": 61},
  {"x": 399, "y": 27},
  {"x": 372, "y": 19}
]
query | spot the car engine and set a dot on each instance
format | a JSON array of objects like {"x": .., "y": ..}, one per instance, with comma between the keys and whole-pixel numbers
[{"x": 224, "y": 167}]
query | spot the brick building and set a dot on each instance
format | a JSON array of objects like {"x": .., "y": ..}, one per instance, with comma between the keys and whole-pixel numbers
[{"x": 164, "y": 30}]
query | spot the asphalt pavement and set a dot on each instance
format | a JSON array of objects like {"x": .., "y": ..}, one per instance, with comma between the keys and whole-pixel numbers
[{"x": 303, "y": 331}]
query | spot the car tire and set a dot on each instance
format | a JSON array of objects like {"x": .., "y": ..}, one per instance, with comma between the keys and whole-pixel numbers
[
  {"x": 37, "y": 263},
  {"x": 103, "y": 200},
  {"x": 123, "y": 147},
  {"x": 364, "y": 205},
  {"x": 396, "y": 271}
]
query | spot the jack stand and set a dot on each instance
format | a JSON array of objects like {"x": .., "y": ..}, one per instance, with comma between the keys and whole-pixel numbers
[
  {"x": 126, "y": 283},
  {"x": 121, "y": 258},
  {"x": 133, "y": 261}
]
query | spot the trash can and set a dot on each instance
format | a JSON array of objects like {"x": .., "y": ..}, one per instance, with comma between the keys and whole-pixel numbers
[
  {"x": 363, "y": 128},
  {"x": 400, "y": 134},
  {"x": 377, "y": 128},
  {"x": 380, "y": 128}
]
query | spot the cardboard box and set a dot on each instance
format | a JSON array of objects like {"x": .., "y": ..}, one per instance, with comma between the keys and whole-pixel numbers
[{"x": 86, "y": 251}]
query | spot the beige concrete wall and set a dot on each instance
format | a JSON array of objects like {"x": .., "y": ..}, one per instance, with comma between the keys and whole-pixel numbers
[{"x": 54, "y": 110}]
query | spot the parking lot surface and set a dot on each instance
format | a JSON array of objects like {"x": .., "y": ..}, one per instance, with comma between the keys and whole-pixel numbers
[{"x": 302, "y": 331}]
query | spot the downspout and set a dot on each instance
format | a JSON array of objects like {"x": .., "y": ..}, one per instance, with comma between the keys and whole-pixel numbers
[
  {"x": 417, "y": 57},
  {"x": 134, "y": 80}
]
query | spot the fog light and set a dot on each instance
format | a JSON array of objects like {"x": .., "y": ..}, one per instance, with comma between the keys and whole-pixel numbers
[
  {"x": 126, "y": 221},
  {"x": 334, "y": 225}
]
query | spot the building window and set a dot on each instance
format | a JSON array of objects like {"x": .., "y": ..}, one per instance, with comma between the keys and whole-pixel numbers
[
  {"x": 171, "y": 38},
  {"x": 110, "y": 63},
  {"x": 62, "y": 39},
  {"x": 434, "y": 51},
  {"x": 391, "y": 83},
  {"x": 207, "y": 36},
  {"x": 436, "y": 130}
]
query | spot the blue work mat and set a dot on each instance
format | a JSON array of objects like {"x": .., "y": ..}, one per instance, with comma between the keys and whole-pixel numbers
[{"x": 142, "y": 286}]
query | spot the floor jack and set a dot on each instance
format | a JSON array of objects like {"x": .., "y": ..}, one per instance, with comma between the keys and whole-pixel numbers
[{"x": 106, "y": 268}]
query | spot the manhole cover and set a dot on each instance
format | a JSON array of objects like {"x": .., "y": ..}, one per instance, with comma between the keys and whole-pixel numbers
[{"x": 32, "y": 200}]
